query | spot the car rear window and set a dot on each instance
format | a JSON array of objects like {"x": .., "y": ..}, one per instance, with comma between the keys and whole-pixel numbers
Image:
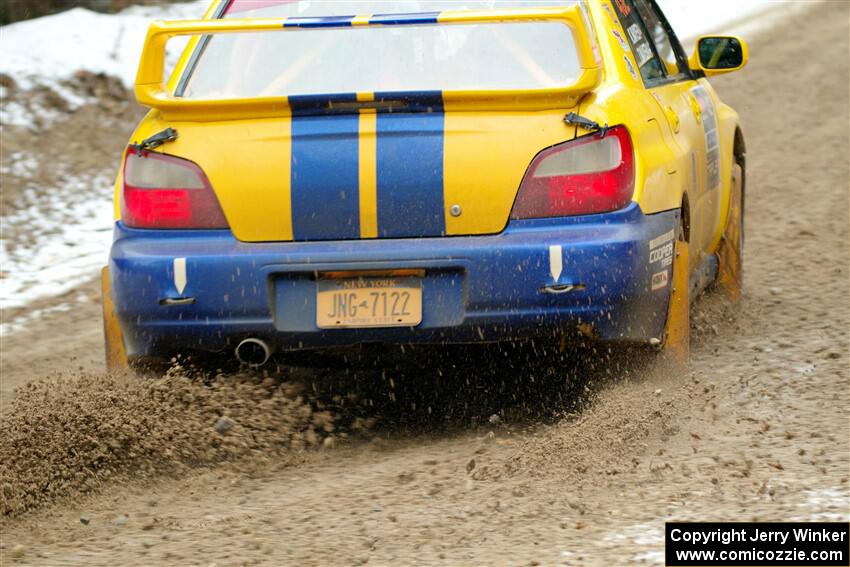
[{"x": 420, "y": 57}]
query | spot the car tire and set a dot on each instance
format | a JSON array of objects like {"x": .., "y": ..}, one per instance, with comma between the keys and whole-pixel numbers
[
  {"x": 675, "y": 343},
  {"x": 730, "y": 254}
]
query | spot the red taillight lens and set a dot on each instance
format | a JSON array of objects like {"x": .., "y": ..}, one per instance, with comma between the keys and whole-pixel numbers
[
  {"x": 588, "y": 175},
  {"x": 163, "y": 191}
]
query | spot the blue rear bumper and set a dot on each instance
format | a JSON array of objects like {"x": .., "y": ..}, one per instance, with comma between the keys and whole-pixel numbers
[{"x": 478, "y": 288}]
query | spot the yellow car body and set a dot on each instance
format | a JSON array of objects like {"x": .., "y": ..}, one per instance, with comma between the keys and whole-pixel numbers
[{"x": 687, "y": 147}]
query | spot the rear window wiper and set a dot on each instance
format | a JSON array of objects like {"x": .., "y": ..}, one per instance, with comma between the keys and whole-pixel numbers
[{"x": 574, "y": 119}]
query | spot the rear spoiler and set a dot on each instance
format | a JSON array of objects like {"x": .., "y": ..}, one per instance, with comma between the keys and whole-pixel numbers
[{"x": 153, "y": 91}]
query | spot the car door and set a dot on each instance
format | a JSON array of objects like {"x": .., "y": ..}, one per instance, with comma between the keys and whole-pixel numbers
[{"x": 689, "y": 113}]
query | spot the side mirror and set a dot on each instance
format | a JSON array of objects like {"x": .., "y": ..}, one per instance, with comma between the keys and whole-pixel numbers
[{"x": 715, "y": 54}]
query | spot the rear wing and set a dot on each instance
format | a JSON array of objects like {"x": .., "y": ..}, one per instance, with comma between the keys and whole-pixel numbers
[{"x": 152, "y": 89}]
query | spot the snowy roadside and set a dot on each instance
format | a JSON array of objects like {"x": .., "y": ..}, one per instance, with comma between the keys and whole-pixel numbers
[
  {"x": 57, "y": 71},
  {"x": 64, "y": 239},
  {"x": 52, "y": 239},
  {"x": 50, "y": 50}
]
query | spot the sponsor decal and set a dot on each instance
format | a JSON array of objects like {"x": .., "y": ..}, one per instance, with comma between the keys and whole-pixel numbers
[
  {"x": 556, "y": 261},
  {"x": 663, "y": 254},
  {"x": 659, "y": 280},
  {"x": 623, "y": 7},
  {"x": 664, "y": 238},
  {"x": 607, "y": 8},
  {"x": 180, "y": 279},
  {"x": 595, "y": 47},
  {"x": 634, "y": 33},
  {"x": 661, "y": 249},
  {"x": 623, "y": 43},
  {"x": 712, "y": 143},
  {"x": 644, "y": 53},
  {"x": 630, "y": 67}
]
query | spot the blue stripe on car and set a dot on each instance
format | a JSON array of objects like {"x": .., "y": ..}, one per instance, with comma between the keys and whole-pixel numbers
[
  {"x": 324, "y": 22},
  {"x": 404, "y": 19},
  {"x": 410, "y": 167},
  {"x": 324, "y": 173}
]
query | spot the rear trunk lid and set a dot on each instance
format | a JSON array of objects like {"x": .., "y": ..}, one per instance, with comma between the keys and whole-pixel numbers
[{"x": 368, "y": 164}]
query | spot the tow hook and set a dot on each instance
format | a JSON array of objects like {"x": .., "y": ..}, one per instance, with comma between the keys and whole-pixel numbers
[
  {"x": 177, "y": 301},
  {"x": 558, "y": 289}
]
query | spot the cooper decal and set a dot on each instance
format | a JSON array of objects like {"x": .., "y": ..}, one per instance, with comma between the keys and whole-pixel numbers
[
  {"x": 661, "y": 249},
  {"x": 663, "y": 254}
]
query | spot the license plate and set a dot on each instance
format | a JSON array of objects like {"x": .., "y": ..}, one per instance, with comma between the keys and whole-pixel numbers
[{"x": 368, "y": 302}]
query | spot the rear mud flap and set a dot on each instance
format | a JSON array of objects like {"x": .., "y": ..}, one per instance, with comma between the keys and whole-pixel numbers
[
  {"x": 729, "y": 252},
  {"x": 677, "y": 339},
  {"x": 116, "y": 355}
]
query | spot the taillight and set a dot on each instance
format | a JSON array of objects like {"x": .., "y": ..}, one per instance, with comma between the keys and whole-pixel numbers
[
  {"x": 587, "y": 175},
  {"x": 163, "y": 191}
]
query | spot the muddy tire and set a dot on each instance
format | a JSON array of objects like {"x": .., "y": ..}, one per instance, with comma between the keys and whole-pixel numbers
[
  {"x": 730, "y": 254},
  {"x": 675, "y": 343}
]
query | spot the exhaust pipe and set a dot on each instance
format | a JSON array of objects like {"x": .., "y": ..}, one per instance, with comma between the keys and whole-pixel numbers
[{"x": 253, "y": 352}]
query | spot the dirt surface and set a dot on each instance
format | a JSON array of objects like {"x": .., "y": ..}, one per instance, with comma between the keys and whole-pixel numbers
[
  {"x": 56, "y": 333},
  {"x": 468, "y": 458},
  {"x": 53, "y": 342}
]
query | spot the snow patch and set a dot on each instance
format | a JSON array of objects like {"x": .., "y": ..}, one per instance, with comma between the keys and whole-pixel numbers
[
  {"x": 647, "y": 536},
  {"x": 54, "y": 241},
  {"x": 15, "y": 114},
  {"x": 19, "y": 323},
  {"x": 48, "y": 50},
  {"x": 825, "y": 505},
  {"x": 23, "y": 165}
]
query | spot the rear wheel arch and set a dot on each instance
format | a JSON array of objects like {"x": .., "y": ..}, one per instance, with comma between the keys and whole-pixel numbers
[
  {"x": 739, "y": 156},
  {"x": 686, "y": 217},
  {"x": 739, "y": 148}
]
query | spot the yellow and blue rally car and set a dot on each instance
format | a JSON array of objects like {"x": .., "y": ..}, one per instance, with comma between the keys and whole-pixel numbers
[{"x": 314, "y": 174}]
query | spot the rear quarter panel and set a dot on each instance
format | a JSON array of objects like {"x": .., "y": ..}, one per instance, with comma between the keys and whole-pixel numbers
[
  {"x": 660, "y": 170},
  {"x": 621, "y": 99},
  {"x": 179, "y": 68}
]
